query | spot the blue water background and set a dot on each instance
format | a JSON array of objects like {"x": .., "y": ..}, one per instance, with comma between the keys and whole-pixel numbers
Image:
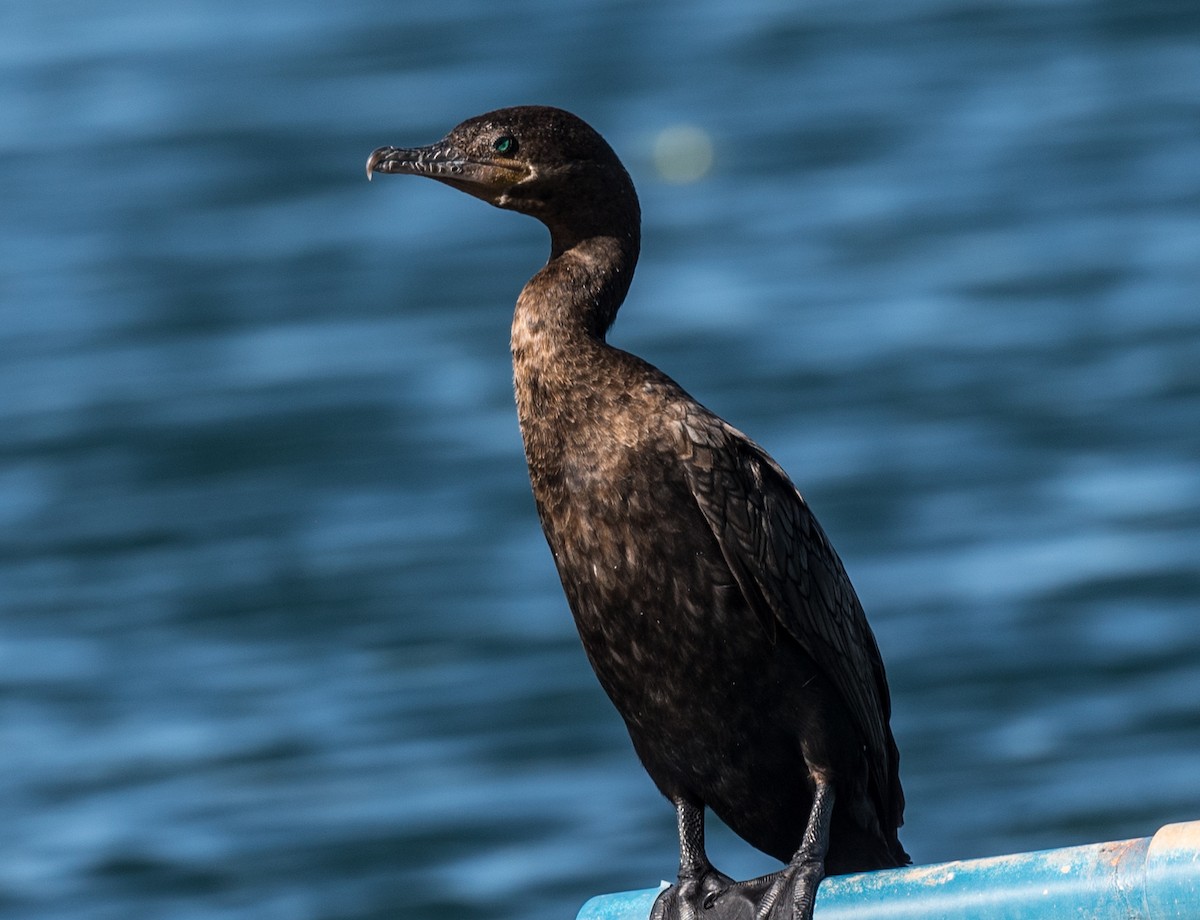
[{"x": 279, "y": 635}]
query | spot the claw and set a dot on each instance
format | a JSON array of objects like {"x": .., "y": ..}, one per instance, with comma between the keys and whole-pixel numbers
[{"x": 688, "y": 897}]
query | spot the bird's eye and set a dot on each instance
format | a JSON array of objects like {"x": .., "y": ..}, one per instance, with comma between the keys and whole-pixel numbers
[{"x": 505, "y": 145}]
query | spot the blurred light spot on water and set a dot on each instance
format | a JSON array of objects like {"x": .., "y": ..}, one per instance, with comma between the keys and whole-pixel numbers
[{"x": 683, "y": 153}]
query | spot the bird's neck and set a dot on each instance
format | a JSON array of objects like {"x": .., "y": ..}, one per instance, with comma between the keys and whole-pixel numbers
[
  {"x": 564, "y": 373},
  {"x": 565, "y": 310}
]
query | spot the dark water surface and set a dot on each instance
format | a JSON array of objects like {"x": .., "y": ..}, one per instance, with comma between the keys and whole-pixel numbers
[{"x": 279, "y": 636}]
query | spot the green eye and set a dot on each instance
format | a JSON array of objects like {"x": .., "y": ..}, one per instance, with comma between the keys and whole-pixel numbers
[{"x": 505, "y": 144}]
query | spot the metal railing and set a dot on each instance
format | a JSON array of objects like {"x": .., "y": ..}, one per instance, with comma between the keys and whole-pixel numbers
[{"x": 1148, "y": 878}]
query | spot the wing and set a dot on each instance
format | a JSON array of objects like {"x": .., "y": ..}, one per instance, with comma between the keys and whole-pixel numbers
[{"x": 788, "y": 571}]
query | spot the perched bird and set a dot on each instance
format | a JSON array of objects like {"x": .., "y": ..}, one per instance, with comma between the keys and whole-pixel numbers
[{"x": 712, "y": 607}]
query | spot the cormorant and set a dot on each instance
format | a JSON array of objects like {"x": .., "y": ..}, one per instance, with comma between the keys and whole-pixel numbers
[{"x": 710, "y": 603}]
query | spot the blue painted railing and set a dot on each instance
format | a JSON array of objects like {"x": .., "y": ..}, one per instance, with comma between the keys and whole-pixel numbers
[{"x": 1149, "y": 878}]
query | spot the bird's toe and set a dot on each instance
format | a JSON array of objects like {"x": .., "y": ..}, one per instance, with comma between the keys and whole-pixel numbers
[{"x": 692, "y": 898}]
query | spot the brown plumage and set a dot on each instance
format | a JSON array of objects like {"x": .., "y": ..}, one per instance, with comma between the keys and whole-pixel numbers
[{"x": 712, "y": 606}]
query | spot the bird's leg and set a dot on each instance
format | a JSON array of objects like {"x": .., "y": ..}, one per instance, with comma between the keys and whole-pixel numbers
[
  {"x": 699, "y": 883},
  {"x": 793, "y": 892}
]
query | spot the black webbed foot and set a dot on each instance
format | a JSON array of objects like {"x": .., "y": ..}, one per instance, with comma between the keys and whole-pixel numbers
[
  {"x": 692, "y": 898},
  {"x": 703, "y": 893},
  {"x": 785, "y": 895}
]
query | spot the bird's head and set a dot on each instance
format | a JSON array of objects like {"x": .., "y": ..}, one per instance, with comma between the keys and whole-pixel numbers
[{"x": 537, "y": 160}]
